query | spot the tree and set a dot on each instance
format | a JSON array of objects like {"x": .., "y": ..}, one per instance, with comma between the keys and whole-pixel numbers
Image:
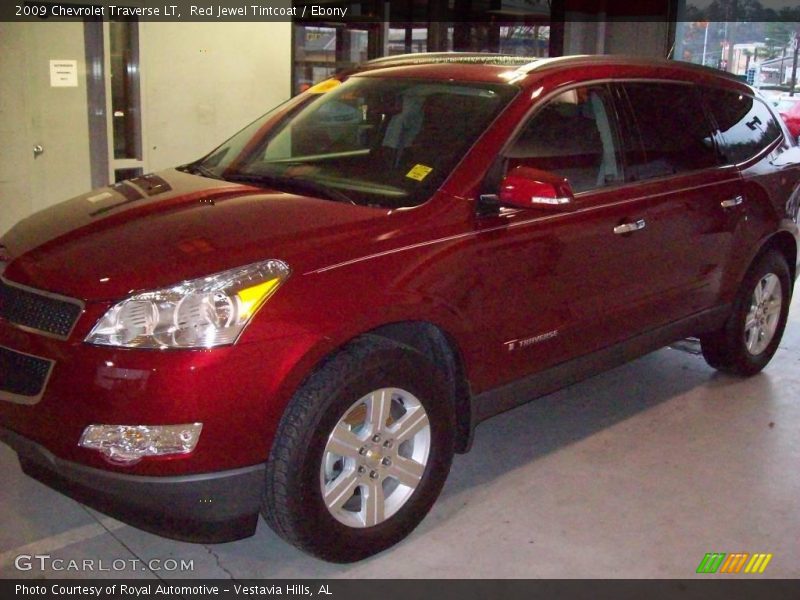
[{"x": 777, "y": 35}]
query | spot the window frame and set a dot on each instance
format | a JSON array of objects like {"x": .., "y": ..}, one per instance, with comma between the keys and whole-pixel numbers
[
  {"x": 629, "y": 130},
  {"x": 541, "y": 103},
  {"x": 636, "y": 132},
  {"x": 495, "y": 172},
  {"x": 766, "y": 150}
]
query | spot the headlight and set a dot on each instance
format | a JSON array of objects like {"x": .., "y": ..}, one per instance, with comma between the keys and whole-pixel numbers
[{"x": 201, "y": 313}]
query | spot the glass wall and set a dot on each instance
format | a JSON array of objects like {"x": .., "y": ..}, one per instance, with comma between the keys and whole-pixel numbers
[
  {"x": 753, "y": 41},
  {"x": 320, "y": 51},
  {"x": 375, "y": 29}
]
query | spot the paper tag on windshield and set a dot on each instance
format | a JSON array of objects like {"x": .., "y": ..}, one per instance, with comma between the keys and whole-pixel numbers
[{"x": 419, "y": 172}]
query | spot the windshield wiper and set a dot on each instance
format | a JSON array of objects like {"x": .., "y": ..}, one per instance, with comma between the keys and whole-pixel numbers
[
  {"x": 199, "y": 169},
  {"x": 293, "y": 183}
]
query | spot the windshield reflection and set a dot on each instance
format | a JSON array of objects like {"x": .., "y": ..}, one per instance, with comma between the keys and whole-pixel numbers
[{"x": 371, "y": 141}]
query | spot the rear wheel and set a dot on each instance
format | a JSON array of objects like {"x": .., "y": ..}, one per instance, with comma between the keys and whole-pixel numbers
[
  {"x": 751, "y": 335},
  {"x": 361, "y": 453}
]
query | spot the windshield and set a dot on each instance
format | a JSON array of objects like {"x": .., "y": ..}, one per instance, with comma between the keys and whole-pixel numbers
[{"x": 370, "y": 141}]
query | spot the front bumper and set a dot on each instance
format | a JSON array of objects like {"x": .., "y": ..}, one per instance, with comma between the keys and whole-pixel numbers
[
  {"x": 207, "y": 508},
  {"x": 237, "y": 392}
]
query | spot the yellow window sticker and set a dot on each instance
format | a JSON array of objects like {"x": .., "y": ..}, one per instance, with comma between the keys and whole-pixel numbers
[{"x": 419, "y": 172}]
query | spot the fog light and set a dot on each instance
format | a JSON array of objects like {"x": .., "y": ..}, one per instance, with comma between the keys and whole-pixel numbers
[{"x": 128, "y": 444}]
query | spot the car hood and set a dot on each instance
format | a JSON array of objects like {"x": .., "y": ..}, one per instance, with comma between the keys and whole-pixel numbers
[{"x": 163, "y": 228}]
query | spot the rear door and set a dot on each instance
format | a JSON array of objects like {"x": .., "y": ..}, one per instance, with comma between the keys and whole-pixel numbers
[{"x": 695, "y": 204}]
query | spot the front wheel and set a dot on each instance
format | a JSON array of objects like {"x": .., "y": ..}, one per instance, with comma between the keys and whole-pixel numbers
[
  {"x": 751, "y": 335},
  {"x": 361, "y": 453}
]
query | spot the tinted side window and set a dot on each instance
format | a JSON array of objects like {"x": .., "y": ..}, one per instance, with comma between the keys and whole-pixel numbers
[
  {"x": 572, "y": 135},
  {"x": 746, "y": 124},
  {"x": 675, "y": 133}
]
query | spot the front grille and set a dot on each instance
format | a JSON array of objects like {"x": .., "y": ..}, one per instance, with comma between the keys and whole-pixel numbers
[
  {"x": 23, "y": 375},
  {"x": 38, "y": 310}
]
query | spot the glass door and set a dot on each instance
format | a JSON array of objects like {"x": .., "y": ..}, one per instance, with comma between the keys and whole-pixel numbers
[
  {"x": 123, "y": 100},
  {"x": 322, "y": 50}
]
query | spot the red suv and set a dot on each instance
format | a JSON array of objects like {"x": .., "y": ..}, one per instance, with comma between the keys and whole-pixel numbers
[
  {"x": 788, "y": 108},
  {"x": 311, "y": 319}
]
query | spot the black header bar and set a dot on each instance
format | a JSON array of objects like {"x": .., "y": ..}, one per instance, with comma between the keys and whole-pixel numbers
[{"x": 378, "y": 11}]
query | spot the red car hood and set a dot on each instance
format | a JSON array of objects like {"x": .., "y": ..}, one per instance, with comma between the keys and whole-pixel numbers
[{"x": 173, "y": 226}]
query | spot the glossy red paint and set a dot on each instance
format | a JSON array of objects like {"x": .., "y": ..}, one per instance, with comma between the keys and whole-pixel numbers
[
  {"x": 526, "y": 188},
  {"x": 792, "y": 119},
  {"x": 483, "y": 279}
]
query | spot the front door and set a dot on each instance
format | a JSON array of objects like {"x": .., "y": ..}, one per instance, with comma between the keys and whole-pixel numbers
[{"x": 556, "y": 285}]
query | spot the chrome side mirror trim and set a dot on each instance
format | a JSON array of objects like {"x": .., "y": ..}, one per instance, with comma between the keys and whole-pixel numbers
[{"x": 550, "y": 201}]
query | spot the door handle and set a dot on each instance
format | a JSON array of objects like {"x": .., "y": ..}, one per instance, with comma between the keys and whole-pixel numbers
[
  {"x": 731, "y": 202},
  {"x": 37, "y": 150},
  {"x": 630, "y": 227}
]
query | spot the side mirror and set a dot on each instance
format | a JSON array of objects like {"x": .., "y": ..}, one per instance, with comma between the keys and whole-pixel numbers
[{"x": 525, "y": 187}]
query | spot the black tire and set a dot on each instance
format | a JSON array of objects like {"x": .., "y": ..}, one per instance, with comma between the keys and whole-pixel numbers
[
  {"x": 293, "y": 503},
  {"x": 726, "y": 349}
]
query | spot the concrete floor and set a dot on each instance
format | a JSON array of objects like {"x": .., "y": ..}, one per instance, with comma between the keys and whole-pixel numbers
[{"x": 636, "y": 473}]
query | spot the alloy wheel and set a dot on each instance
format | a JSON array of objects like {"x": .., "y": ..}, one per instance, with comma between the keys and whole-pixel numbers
[
  {"x": 375, "y": 457},
  {"x": 762, "y": 319}
]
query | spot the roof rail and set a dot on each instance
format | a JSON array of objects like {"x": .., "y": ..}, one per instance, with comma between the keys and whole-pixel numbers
[
  {"x": 623, "y": 59},
  {"x": 451, "y": 57}
]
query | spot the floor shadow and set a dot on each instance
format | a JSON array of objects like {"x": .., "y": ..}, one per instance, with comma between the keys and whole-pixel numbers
[{"x": 549, "y": 423}]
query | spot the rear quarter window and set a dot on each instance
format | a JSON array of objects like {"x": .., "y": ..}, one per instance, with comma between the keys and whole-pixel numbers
[{"x": 746, "y": 124}]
